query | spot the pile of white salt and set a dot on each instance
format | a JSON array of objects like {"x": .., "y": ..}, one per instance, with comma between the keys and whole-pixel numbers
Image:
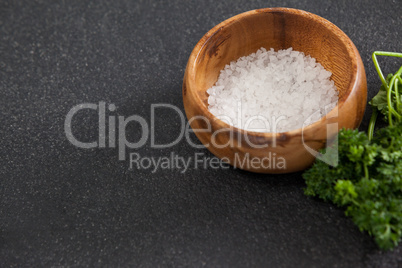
[{"x": 270, "y": 91}]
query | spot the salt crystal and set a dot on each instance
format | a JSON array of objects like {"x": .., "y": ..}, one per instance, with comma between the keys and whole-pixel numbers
[{"x": 266, "y": 85}]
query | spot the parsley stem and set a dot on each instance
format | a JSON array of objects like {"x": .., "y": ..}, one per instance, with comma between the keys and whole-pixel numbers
[
  {"x": 377, "y": 67},
  {"x": 366, "y": 172},
  {"x": 373, "y": 119},
  {"x": 391, "y": 88},
  {"x": 397, "y": 95},
  {"x": 389, "y": 101},
  {"x": 391, "y": 110},
  {"x": 397, "y": 77}
]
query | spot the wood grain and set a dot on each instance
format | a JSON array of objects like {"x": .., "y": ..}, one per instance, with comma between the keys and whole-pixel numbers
[{"x": 277, "y": 28}]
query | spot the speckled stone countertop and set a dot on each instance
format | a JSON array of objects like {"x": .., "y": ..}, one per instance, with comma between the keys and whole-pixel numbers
[{"x": 64, "y": 206}]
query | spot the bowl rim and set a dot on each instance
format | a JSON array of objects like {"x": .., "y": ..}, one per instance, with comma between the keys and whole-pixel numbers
[{"x": 351, "y": 50}]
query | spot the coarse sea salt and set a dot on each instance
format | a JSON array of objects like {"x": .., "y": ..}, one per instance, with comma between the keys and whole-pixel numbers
[{"x": 271, "y": 91}]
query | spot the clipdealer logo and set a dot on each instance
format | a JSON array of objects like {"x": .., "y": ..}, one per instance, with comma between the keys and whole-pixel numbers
[{"x": 107, "y": 136}]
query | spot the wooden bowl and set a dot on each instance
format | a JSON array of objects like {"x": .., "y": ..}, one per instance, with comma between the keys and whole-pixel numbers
[{"x": 278, "y": 28}]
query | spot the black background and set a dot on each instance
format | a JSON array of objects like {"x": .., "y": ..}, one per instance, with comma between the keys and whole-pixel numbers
[{"x": 66, "y": 206}]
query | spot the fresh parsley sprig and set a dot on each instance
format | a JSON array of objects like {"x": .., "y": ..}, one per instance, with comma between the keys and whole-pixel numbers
[{"x": 367, "y": 182}]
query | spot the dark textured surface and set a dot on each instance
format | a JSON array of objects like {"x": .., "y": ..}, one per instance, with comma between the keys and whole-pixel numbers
[{"x": 66, "y": 206}]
